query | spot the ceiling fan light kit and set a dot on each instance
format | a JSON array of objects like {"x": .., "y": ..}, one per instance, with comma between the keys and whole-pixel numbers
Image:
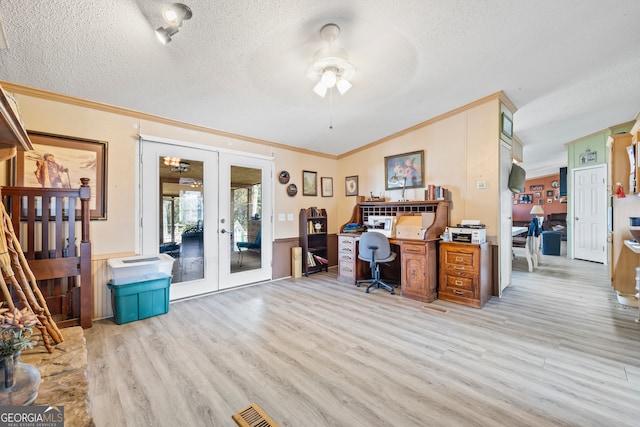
[
  {"x": 331, "y": 66},
  {"x": 173, "y": 15}
]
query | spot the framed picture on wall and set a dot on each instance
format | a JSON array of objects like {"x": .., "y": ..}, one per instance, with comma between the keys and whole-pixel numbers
[
  {"x": 309, "y": 183},
  {"x": 526, "y": 198},
  {"x": 326, "y": 185},
  {"x": 507, "y": 126},
  {"x": 549, "y": 193},
  {"x": 351, "y": 185},
  {"x": 404, "y": 170},
  {"x": 60, "y": 161}
]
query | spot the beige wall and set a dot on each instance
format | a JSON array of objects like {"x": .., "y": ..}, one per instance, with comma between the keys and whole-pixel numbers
[
  {"x": 117, "y": 234},
  {"x": 460, "y": 150}
]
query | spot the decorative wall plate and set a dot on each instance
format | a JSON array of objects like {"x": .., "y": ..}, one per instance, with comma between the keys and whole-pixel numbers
[
  {"x": 284, "y": 177},
  {"x": 292, "y": 190},
  {"x": 554, "y": 184}
]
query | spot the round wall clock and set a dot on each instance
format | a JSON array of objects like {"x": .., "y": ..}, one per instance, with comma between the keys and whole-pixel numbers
[
  {"x": 284, "y": 177},
  {"x": 292, "y": 190},
  {"x": 554, "y": 184}
]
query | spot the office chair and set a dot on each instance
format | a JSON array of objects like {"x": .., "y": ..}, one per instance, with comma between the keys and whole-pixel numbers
[{"x": 375, "y": 249}]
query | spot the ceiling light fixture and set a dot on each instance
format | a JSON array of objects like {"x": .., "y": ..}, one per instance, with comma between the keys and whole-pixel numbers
[
  {"x": 181, "y": 167},
  {"x": 331, "y": 66},
  {"x": 176, "y": 13},
  {"x": 173, "y": 15}
]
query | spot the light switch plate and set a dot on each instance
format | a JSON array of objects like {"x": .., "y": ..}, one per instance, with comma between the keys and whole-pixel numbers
[
  {"x": 481, "y": 185},
  {"x": 290, "y": 217}
]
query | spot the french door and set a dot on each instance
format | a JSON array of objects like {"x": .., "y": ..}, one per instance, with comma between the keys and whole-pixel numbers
[
  {"x": 198, "y": 206},
  {"x": 245, "y": 219}
]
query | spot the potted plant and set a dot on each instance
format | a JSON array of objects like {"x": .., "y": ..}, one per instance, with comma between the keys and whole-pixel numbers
[{"x": 16, "y": 332}]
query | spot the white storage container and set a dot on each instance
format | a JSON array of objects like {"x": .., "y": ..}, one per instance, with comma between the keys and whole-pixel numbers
[{"x": 140, "y": 267}]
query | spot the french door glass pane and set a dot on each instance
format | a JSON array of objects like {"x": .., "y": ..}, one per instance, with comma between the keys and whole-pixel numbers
[
  {"x": 246, "y": 216},
  {"x": 181, "y": 216}
]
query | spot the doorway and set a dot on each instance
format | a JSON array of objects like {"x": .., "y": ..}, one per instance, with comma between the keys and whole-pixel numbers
[
  {"x": 590, "y": 213},
  {"x": 197, "y": 205}
]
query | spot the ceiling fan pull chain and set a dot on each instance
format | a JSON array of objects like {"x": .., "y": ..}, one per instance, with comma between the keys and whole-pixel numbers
[{"x": 330, "y": 109}]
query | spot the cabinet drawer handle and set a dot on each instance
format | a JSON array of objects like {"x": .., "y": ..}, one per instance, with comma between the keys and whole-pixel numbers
[
  {"x": 346, "y": 258},
  {"x": 456, "y": 267},
  {"x": 346, "y": 249},
  {"x": 458, "y": 283},
  {"x": 459, "y": 259},
  {"x": 414, "y": 250},
  {"x": 457, "y": 292},
  {"x": 347, "y": 269}
]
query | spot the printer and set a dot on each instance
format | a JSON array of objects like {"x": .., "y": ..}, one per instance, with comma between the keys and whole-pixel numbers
[{"x": 469, "y": 231}]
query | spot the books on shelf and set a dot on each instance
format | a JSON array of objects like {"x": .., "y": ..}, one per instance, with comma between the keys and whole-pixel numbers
[
  {"x": 436, "y": 192},
  {"x": 313, "y": 211},
  {"x": 310, "y": 260},
  {"x": 320, "y": 261},
  {"x": 314, "y": 227},
  {"x": 314, "y": 260}
]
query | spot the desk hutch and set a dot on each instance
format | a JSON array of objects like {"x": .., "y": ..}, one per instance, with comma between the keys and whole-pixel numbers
[{"x": 418, "y": 263}]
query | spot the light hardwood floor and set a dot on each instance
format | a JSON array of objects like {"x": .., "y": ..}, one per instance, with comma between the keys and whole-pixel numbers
[{"x": 557, "y": 349}]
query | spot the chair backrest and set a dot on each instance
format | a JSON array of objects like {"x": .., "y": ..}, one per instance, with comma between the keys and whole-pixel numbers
[
  {"x": 258, "y": 240},
  {"x": 372, "y": 239}
]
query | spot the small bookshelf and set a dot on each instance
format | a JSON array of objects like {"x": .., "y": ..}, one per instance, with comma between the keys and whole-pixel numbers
[{"x": 313, "y": 240}]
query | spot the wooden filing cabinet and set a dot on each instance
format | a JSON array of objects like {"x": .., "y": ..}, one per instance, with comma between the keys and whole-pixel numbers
[
  {"x": 419, "y": 272},
  {"x": 347, "y": 258},
  {"x": 464, "y": 273}
]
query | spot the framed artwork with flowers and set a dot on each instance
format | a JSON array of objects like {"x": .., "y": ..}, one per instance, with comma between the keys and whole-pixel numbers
[{"x": 404, "y": 170}]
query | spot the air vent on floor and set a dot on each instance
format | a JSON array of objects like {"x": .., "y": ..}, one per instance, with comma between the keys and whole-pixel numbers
[{"x": 253, "y": 416}]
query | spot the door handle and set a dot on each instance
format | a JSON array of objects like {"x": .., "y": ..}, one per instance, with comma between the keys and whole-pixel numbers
[{"x": 222, "y": 230}]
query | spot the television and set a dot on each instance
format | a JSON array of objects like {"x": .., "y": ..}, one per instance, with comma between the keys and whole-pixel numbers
[
  {"x": 563, "y": 182},
  {"x": 516, "y": 179}
]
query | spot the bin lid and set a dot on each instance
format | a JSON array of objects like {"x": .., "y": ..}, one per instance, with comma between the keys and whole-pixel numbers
[
  {"x": 140, "y": 260},
  {"x": 136, "y": 279}
]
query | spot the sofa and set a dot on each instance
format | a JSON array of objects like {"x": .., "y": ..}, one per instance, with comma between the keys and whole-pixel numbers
[{"x": 556, "y": 222}]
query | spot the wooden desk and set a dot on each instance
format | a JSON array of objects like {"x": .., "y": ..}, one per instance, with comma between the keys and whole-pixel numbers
[{"x": 415, "y": 267}]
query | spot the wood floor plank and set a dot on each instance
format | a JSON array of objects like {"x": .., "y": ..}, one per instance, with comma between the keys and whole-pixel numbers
[{"x": 556, "y": 349}]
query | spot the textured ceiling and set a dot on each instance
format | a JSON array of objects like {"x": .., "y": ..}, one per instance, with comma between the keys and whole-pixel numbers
[{"x": 571, "y": 67}]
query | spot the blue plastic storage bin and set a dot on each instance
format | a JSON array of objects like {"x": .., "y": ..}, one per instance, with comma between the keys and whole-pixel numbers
[
  {"x": 551, "y": 242},
  {"x": 135, "y": 298}
]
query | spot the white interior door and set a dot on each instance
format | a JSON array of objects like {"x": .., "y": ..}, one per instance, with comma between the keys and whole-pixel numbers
[
  {"x": 179, "y": 210},
  {"x": 246, "y": 219},
  {"x": 590, "y": 213},
  {"x": 506, "y": 221}
]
